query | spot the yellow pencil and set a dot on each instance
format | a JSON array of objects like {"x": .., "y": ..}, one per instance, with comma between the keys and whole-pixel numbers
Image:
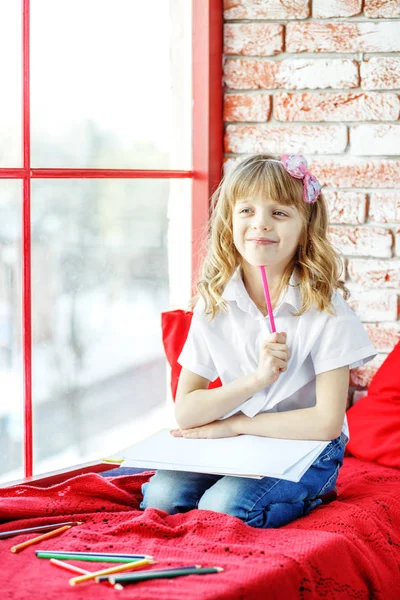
[
  {"x": 74, "y": 569},
  {"x": 111, "y": 570},
  {"x": 39, "y": 538}
]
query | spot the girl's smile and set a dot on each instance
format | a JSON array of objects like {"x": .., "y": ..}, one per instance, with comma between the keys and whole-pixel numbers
[{"x": 266, "y": 232}]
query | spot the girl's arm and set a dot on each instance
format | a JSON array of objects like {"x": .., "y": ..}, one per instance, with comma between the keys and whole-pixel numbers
[
  {"x": 324, "y": 421},
  {"x": 196, "y": 405}
]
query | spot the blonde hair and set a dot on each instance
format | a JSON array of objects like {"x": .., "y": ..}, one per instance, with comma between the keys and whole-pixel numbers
[{"x": 316, "y": 261}]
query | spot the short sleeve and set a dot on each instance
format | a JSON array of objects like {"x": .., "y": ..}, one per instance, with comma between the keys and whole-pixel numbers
[
  {"x": 195, "y": 355},
  {"x": 343, "y": 341}
]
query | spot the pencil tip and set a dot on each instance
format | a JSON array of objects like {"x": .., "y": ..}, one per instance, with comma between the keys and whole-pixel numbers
[
  {"x": 118, "y": 586},
  {"x": 219, "y": 568}
]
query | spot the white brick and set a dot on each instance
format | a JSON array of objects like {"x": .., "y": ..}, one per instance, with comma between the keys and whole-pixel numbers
[
  {"x": 384, "y": 207},
  {"x": 285, "y": 139},
  {"x": 383, "y": 138},
  {"x": 325, "y": 9},
  {"x": 266, "y": 9},
  {"x": 362, "y": 241},
  {"x": 346, "y": 207},
  {"x": 308, "y": 73},
  {"x": 373, "y": 305},
  {"x": 375, "y": 274}
]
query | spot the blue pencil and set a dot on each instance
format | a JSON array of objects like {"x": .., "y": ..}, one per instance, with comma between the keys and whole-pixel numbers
[{"x": 101, "y": 554}]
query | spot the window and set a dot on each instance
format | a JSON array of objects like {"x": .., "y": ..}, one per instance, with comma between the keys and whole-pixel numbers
[{"x": 106, "y": 179}]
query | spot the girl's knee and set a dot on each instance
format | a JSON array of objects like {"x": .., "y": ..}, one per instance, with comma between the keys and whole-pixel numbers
[
  {"x": 167, "y": 491},
  {"x": 158, "y": 493},
  {"x": 223, "y": 503}
]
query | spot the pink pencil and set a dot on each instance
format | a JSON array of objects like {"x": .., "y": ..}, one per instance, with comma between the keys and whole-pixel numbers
[{"x": 268, "y": 299}]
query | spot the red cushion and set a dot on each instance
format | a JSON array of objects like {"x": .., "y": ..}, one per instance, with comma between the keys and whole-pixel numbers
[
  {"x": 374, "y": 421},
  {"x": 175, "y": 328}
]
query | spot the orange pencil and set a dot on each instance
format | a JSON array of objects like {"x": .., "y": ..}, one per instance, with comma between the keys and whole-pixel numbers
[
  {"x": 38, "y": 539},
  {"x": 74, "y": 569}
]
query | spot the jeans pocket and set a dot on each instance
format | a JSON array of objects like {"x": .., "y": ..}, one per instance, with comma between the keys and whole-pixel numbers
[
  {"x": 331, "y": 482},
  {"x": 334, "y": 450}
]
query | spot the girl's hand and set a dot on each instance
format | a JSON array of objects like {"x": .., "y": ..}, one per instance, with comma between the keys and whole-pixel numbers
[
  {"x": 274, "y": 355},
  {"x": 215, "y": 429}
]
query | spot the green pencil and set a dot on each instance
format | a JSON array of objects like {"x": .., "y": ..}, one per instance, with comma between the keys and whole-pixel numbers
[
  {"x": 113, "y": 559},
  {"x": 145, "y": 576}
]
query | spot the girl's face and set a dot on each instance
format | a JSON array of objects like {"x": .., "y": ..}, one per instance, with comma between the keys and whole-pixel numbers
[{"x": 266, "y": 233}]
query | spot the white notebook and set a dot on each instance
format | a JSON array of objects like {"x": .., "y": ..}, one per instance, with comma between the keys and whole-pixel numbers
[{"x": 240, "y": 456}]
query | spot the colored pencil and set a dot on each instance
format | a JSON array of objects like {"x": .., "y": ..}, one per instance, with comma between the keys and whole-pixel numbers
[
  {"x": 74, "y": 569},
  {"x": 125, "y": 567},
  {"x": 38, "y": 539},
  {"x": 107, "y": 577},
  {"x": 145, "y": 576},
  {"x": 268, "y": 299},
  {"x": 38, "y": 529},
  {"x": 69, "y": 554}
]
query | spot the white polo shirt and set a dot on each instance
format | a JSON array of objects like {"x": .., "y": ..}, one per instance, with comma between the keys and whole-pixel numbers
[{"x": 229, "y": 346}]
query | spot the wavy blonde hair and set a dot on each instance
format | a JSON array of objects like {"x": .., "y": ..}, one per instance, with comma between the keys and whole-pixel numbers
[{"x": 316, "y": 261}]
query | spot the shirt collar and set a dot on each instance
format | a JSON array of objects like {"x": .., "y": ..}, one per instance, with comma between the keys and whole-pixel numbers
[{"x": 235, "y": 291}]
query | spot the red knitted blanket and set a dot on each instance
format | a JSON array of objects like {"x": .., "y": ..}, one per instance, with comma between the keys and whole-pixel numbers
[{"x": 349, "y": 549}]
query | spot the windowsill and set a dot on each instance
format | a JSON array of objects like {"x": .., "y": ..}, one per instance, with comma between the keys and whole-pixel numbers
[{"x": 54, "y": 477}]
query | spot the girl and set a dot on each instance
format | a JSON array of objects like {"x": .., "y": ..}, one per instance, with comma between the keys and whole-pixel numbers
[{"x": 289, "y": 384}]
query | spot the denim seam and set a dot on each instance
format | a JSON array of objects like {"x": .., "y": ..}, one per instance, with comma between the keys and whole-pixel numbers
[{"x": 260, "y": 498}]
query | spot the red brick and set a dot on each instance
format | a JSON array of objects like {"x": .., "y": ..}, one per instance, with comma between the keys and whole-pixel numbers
[
  {"x": 384, "y": 336},
  {"x": 375, "y": 273},
  {"x": 373, "y": 305},
  {"x": 375, "y": 139},
  {"x": 339, "y": 36},
  {"x": 253, "y": 39},
  {"x": 377, "y": 9},
  {"x": 301, "y": 73},
  {"x": 346, "y": 207},
  {"x": 324, "y": 9},
  {"x": 356, "y": 172},
  {"x": 247, "y": 107},
  {"x": 291, "y": 74},
  {"x": 285, "y": 139},
  {"x": 362, "y": 241},
  {"x": 397, "y": 242},
  {"x": 380, "y": 73},
  {"x": 241, "y": 74},
  {"x": 362, "y": 376},
  {"x": 358, "y": 394},
  {"x": 384, "y": 207},
  {"x": 373, "y": 106},
  {"x": 266, "y": 9}
]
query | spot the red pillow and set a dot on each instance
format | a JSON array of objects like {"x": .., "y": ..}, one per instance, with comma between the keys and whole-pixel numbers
[
  {"x": 374, "y": 421},
  {"x": 175, "y": 328}
]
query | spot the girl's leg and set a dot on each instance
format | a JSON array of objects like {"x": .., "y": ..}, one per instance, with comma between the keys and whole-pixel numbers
[
  {"x": 176, "y": 491},
  {"x": 271, "y": 502}
]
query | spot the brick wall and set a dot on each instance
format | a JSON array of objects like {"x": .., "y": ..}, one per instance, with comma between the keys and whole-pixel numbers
[{"x": 322, "y": 77}]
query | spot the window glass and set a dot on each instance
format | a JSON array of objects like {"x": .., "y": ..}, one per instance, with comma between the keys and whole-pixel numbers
[
  {"x": 101, "y": 253},
  {"x": 111, "y": 84},
  {"x": 11, "y": 380},
  {"x": 11, "y": 84}
]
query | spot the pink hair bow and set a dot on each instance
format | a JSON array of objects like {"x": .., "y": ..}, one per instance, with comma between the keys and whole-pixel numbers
[{"x": 296, "y": 165}]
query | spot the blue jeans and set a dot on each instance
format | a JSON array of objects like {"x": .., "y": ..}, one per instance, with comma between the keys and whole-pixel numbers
[{"x": 267, "y": 502}]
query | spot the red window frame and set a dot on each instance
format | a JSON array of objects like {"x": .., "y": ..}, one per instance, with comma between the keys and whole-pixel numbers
[{"x": 207, "y": 148}]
